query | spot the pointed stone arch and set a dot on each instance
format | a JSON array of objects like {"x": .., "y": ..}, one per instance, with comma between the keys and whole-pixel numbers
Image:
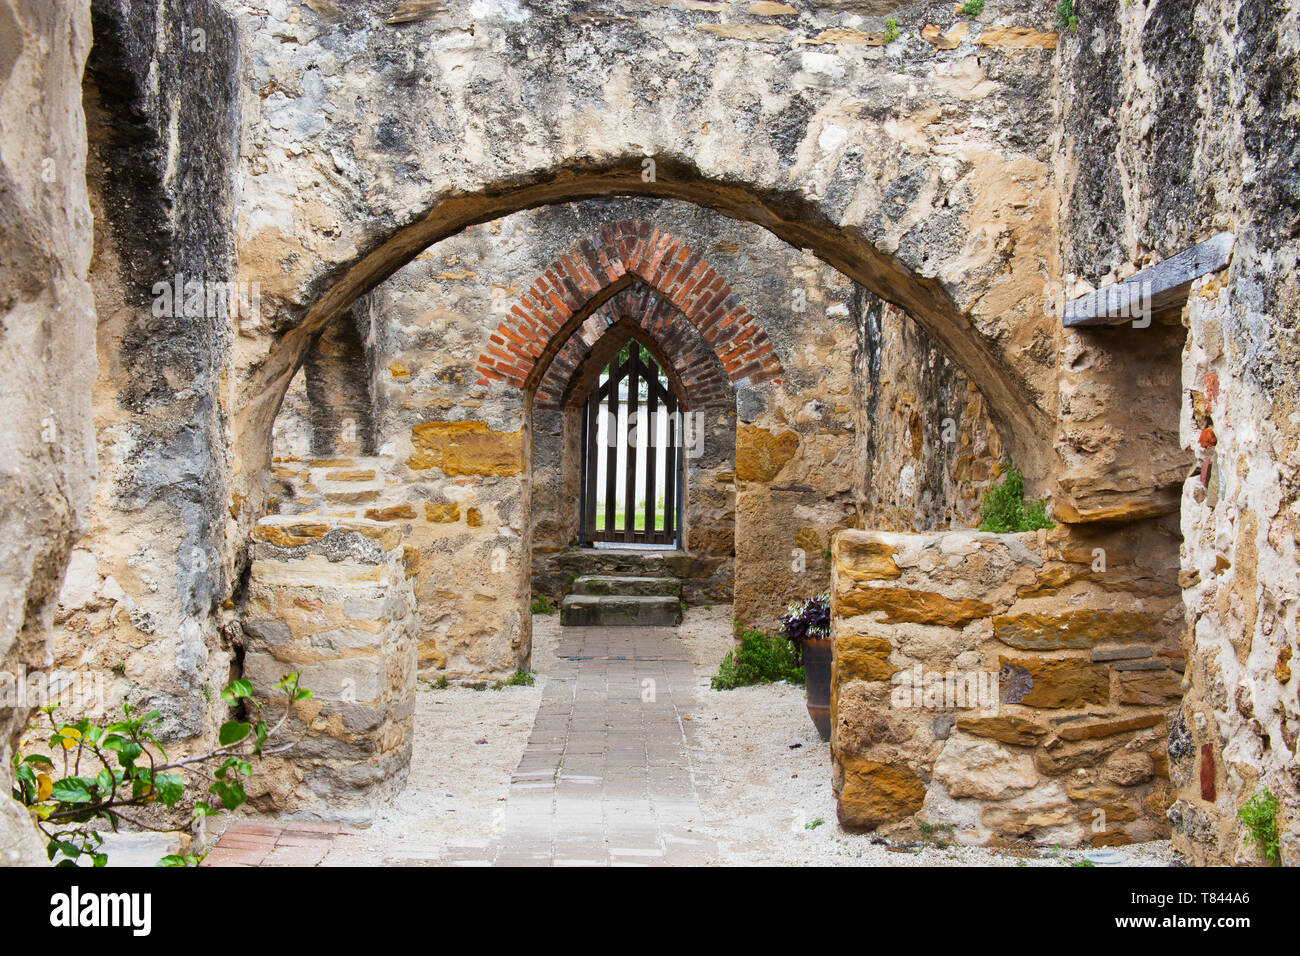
[{"x": 608, "y": 261}]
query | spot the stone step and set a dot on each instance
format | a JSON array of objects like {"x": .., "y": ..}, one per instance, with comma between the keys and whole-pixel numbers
[
  {"x": 627, "y": 584},
  {"x": 619, "y": 610},
  {"x": 643, "y": 562}
]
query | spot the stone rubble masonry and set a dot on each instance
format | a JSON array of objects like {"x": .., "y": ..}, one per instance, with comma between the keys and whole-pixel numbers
[
  {"x": 1238, "y": 727},
  {"x": 333, "y": 599},
  {"x": 1060, "y": 747}
]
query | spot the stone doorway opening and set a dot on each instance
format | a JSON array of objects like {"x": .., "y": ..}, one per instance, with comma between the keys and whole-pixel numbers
[{"x": 631, "y": 458}]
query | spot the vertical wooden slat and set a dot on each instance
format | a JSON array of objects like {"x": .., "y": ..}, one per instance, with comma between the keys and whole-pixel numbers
[
  {"x": 651, "y": 463},
  {"x": 611, "y": 450},
  {"x": 635, "y": 370},
  {"x": 670, "y": 471},
  {"x": 591, "y": 418},
  {"x": 681, "y": 486}
]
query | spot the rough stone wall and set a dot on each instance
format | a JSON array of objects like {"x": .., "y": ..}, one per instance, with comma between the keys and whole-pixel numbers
[
  {"x": 333, "y": 600},
  {"x": 263, "y": 145},
  {"x": 919, "y": 167},
  {"x": 47, "y": 318},
  {"x": 1009, "y": 687},
  {"x": 925, "y": 448},
  {"x": 142, "y": 604},
  {"x": 1180, "y": 120}
]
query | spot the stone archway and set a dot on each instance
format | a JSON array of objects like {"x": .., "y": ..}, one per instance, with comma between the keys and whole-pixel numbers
[
  {"x": 798, "y": 221},
  {"x": 637, "y": 312}
]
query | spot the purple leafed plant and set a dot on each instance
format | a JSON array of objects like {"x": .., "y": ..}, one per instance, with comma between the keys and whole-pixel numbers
[{"x": 807, "y": 620}]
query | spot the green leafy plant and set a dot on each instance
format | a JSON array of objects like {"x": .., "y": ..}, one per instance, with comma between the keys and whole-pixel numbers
[
  {"x": 1259, "y": 816},
  {"x": 972, "y": 8},
  {"x": 1065, "y": 13},
  {"x": 1083, "y": 862},
  {"x": 111, "y": 772},
  {"x": 520, "y": 678},
  {"x": 542, "y": 605},
  {"x": 441, "y": 683},
  {"x": 935, "y": 832},
  {"x": 891, "y": 30},
  {"x": 1004, "y": 509},
  {"x": 759, "y": 659},
  {"x": 813, "y": 824}
]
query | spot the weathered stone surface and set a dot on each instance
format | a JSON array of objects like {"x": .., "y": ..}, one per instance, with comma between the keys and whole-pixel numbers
[
  {"x": 627, "y": 584},
  {"x": 1044, "y": 815},
  {"x": 760, "y": 454},
  {"x": 619, "y": 610},
  {"x": 395, "y": 513},
  {"x": 1106, "y": 728},
  {"x": 1100, "y": 654},
  {"x": 861, "y": 657},
  {"x": 968, "y": 767},
  {"x": 875, "y": 793},
  {"x": 1128, "y": 767},
  {"x": 1058, "y": 757},
  {"x": 1009, "y": 729},
  {"x": 441, "y": 513},
  {"x": 47, "y": 343},
  {"x": 903, "y": 605},
  {"x": 466, "y": 448},
  {"x": 298, "y": 175},
  {"x": 1059, "y": 683},
  {"x": 340, "y": 611},
  {"x": 1083, "y": 628},
  {"x": 865, "y": 559},
  {"x": 1016, "y": 38}
]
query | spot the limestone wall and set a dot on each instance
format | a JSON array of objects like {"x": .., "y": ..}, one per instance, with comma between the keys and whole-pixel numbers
[
  {"x": 334, "y": 600},
  {"x": 925, "y": 447},
  {"x": 47, "y": 320},
  {"x": 1008, "y": 687},
  {"x": 142, "y": 605},
  {"x": 1178, "y": 121},
  {"x": 920, "y": 167}
]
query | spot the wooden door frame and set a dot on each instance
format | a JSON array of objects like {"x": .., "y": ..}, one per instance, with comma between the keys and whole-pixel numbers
[{"x": 587, "y": 385}]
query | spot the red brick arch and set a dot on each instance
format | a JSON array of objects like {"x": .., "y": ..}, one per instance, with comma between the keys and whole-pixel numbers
[
  {"x": 565, "y": 295},
  {"x": 691, "y": 360}
]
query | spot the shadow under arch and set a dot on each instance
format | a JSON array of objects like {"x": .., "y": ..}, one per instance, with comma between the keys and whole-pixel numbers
[{"x": 787, "y": 215}]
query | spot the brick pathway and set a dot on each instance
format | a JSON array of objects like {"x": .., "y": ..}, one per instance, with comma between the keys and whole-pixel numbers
[{"x": 605, "y": 779}]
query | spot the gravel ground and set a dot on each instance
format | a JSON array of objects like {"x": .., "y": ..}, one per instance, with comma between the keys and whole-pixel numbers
[
  {"x": 467, "y": 743},
  {"x": 764, "y": 777}
]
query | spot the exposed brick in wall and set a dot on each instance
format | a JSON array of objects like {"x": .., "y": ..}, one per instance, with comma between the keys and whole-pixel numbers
[
  {"x": 520, "y": 349},
  {"x": 692, "y": 362}
]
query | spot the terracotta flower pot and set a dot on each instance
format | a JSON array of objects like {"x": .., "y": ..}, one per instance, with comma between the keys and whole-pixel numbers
[{"x": 817, "y": 682}]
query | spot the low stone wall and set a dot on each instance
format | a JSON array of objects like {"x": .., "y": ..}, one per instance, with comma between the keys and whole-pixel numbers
[
  {"x": 334, "y": 599},
  {"x": 1009, "y": 687}
]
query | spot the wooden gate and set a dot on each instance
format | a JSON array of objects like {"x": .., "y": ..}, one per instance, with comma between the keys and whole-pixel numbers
[{"x": 631, "y": 455}]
